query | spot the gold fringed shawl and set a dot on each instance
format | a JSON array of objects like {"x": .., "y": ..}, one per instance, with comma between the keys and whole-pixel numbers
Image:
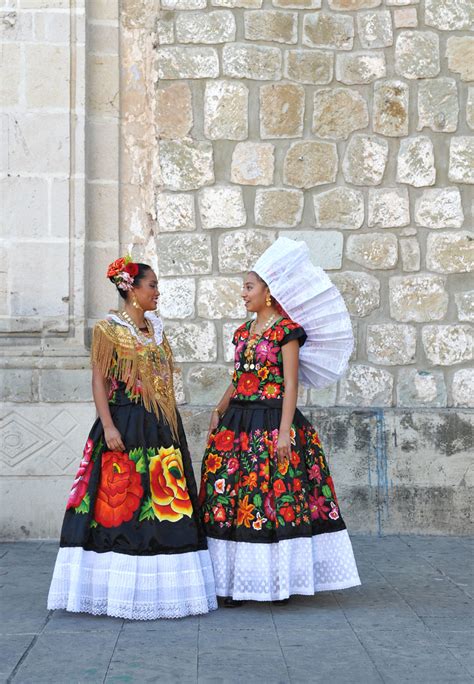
[{"x": 146, "y": 370}]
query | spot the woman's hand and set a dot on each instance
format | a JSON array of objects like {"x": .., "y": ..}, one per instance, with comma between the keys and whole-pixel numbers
[
  {"x": 214, "y": 422},
  {"x": 283, "y": 446},
  {"x": 113, "y": 439}
]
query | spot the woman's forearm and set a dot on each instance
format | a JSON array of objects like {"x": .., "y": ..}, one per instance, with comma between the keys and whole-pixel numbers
[
  {"x": 289, "y": 407},
  {"x": 223, "y": 404},
  {"x": 99, "y": 392}
]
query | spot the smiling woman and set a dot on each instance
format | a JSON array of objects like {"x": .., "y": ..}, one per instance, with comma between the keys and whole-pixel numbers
[{"x": 132, "y": 545}]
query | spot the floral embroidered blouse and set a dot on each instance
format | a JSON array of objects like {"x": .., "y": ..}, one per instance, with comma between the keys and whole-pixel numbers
[{"x": 262, "y": 378}]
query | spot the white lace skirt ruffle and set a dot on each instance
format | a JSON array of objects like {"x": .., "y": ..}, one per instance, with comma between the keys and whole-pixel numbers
[
  {"x": 271, "y": 572},
  {"x": 133, "y": 587}
]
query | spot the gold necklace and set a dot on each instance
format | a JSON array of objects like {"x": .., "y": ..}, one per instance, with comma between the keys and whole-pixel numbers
[{"x": 254, "y": 336}]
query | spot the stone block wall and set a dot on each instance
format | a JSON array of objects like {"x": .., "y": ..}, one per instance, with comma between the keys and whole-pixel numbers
[{"x": 193, "y": 133}]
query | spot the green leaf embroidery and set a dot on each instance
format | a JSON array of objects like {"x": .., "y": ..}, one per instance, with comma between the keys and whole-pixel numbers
[
  {"x": 257, "y": 500},
  {"x": 287, "y": 498},
  {"x": 146, "y": 512},
  {"x": 223, "y": 499},
  {"x": 209, "y": 489},
  {"x": 326, "y": 490},
  {"x": 281, "y": 519},
  {"x": 138, "y": 457},
  {"x": 94, "y": 523},
  {"x": 84, "y": 506}
]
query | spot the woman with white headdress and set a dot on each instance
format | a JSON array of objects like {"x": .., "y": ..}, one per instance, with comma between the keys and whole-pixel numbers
[{"x": 268, "y": 501}]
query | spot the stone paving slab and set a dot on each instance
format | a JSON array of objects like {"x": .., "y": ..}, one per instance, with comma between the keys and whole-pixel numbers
[{"x": 411, "y": 621}]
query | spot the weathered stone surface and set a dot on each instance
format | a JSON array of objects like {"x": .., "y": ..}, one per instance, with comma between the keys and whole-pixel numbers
[
  {"x": 239, "y": 250},
  {"x": 57, "y": 386},
  {"x": 297, "y": 4},
  {"x": 373, "y": 250},
  {"x": 419, "y": 298},
  {"x": 465, "y": 305},
  {"x": 391, "y": 344},
  {"x": 11, "y": 77},
  {"x": 220, "y": 298},
  {"x": 375, "y": 29},
  {"x": 176, "y": 62},
  {"x": 416, "y": 164},
  {"x": 226, "y": 110},
  {"x": 421, "y": 387},
  {"x": 361, "y": 291},
  {"x": 410, "y": 254},
  {"x": 391, "y": 108},
  {"x": 174, "y": 111},
  {"x": 278, "y": 207},
  {"x": 207, "y": 384},
  {"x": 338, "y": 112},
  {"x": 24, "y": 207},
  {"x": 165, "y": 29},
  {"x": 449, "y": 15},
  {"x": 205, "y": 27},
  {"x": 271, "y": 25},
  {"x": 463, "y": 387},
  {"x": 310, "y": 163},
  {"x": 18, "y": 385},
  {"x": 461, "y": 159},
  {"x": 323, "y": 397},
  {"x": 405, "y": 17},
  {"x": 252, "y": 61},
  {"x": 247, "y": 4},
  {"x": 366, "y": 386},
  {"x": 460, "y": 54},
  {"x": 309, "y": 66},
  {"x": 388, "y": 207},
  {"x": 281, "y": 110},
  {"x": 417, "y": 54},
  {"x": 40, "y": 89},
  {"x": 228, "y": 330},
  {"x": 357, "y": 68},
  {"x": 182, "y": 4},
  {"x": 446, "y": 345},
  {"x": 325, "y": 30},
  {"x": 186, "y": 164},
  {"x": 177, "y": 297},
  {"x": 439, "y": 208},
  {"x": 171, "y": 249},
  {"x": 470, "y": 108},
  {"x": 175, "y": 211},
  {"x": 192, "y": 341},
  {"x": 222, "y": 207},
  {"x": 450, "y": 252},
  {"x": 353, "y": 4},
  {"x": 253, "y": 163},
  {"x": 339, "y": 208},
  {"x": 438, "y": 106},
  {"x": 365, "y": 160},
  {"x": 325, "y": 246}
]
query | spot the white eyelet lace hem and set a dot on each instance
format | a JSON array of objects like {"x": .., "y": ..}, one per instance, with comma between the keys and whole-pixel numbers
[
  {"x": 132, "y": 587},
  {"x": 271, "y": 572}
]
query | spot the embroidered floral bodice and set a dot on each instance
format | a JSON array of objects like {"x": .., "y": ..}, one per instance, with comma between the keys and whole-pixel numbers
[{"x": 262, "y": 378}]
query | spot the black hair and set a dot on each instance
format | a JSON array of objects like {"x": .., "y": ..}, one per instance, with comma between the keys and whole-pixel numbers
[
  {"x": 142, "y": 271},
  {"x": 260, "y": 280}
]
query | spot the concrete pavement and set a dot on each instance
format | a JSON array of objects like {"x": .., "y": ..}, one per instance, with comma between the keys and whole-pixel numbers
[{"x": 410, "y": 621}]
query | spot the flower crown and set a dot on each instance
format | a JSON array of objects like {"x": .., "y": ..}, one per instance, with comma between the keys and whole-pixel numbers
[{"x": 122, "y": 272}]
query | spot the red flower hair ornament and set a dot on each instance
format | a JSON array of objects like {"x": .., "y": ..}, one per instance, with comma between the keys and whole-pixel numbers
[{"x": 122, "y": 272}]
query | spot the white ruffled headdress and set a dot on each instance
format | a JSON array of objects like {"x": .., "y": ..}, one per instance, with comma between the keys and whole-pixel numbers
[{"x": 309, "y": 297}]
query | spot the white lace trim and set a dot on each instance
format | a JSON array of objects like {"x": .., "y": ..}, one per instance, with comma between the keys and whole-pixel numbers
[
  {"x": 133, "y": 587},
  {"x": 155, "y": 320},
  {"x": 271, "y": 572}
]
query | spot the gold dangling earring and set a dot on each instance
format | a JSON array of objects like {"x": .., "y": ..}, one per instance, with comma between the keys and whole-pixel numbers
[
  {"x": 135, "y": 304},
  {"x": 268, "y": 299}
]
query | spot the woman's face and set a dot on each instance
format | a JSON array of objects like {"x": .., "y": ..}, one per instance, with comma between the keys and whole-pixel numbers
[
  {"x": 254, "y": 293},
  {"x": 146, "y": 292}
]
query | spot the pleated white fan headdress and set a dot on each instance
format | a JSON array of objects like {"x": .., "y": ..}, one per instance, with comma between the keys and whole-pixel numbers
[{"x": 309, "y": 297}]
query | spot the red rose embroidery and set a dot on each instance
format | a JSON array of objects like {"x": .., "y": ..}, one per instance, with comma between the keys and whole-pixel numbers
[
  {"x": 248, "y": 384},
  {"x": 271, "y": 390},
  {"x": 224, "y": 441},
  {"x": 244, "y": 441},
  {"x": 131, "y": 269},
  {"x": 288, "y": 513},
  {"x": 232, "y": 465},
  {"x": 279, "y": 487},
  {"x": 120, "y": 490},
  {"x": 81, "y": 481},
  {"x": 269, "y": 506}
]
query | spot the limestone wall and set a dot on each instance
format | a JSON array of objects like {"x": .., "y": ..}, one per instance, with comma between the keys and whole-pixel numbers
[{"x": 223, "y": 124}]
